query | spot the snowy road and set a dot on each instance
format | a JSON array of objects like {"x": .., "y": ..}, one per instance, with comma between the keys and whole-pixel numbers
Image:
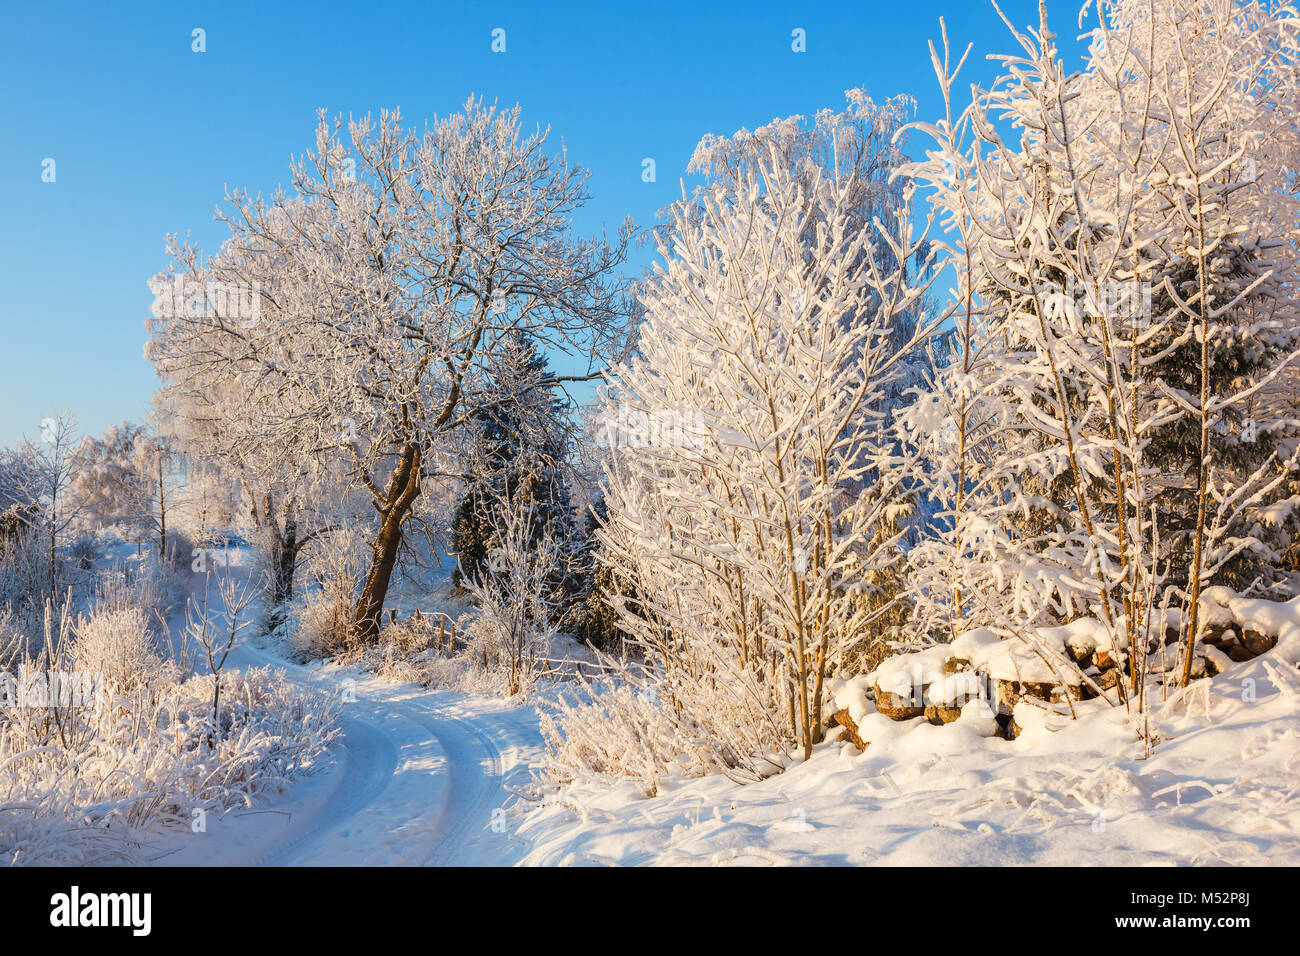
[{"x": 423, "y": 778}]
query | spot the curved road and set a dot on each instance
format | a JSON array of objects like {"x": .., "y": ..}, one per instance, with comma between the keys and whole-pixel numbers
[{"x": 423, "y": 778}]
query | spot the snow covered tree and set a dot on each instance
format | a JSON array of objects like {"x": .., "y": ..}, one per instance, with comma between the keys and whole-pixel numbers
[
  {"x": 158, "y": 465},
  {"x": 749, "y": 482},
  {"x": 1244, "y": 345},
  {"x": 1122, "y": 277},
  {"x": 213, "y": 499},
  {"x": 293, "y": 492},
  {"x": 38, "y": 483},
  {"x": 129, "y": 476},
  {"x": 865, "y": 145},
  {"x": 365, "y": 314},
  {"x": 519, "y": 451},
  {"x": 108, "y": 484}
]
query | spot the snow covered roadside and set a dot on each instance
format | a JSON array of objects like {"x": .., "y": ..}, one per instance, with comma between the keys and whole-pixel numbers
[
  {"x": 430, "y": 777},
  {"x": 423, "y": 778},
  {"x": 416, "y": 777},
  {"x": 1222, "y": 787},
  {"x": 110, "y": 741}
]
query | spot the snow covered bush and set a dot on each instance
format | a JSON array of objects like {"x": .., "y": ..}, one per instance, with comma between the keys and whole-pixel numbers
[
  {"x": 512, "y": 628},
  {"x": 406, "y": 650},
  {"x": 84, "y": 552},
  {"x": 1114, "y": 422},
  {"x": 323, "y": 625},
  {"x": 159, "y": 592},
  {"x": 411, "y": 635},
  {"x": 117, "y": 642},
  {"x": 114, "y": 602},
  {"x": 89, "y": 773},
  {"x": 618, "y": 731},
  {"x": 750, "y": 486},
  {"x": 15, "y": 642},
  {"x": 24, "y": 578}
]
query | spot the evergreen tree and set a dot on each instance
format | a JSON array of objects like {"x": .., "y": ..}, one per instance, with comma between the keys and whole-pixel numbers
[
  {"x": 519, "y": 454},
  {"x": 596, "y": 618},
  {"x": 1244, "y": 345}
]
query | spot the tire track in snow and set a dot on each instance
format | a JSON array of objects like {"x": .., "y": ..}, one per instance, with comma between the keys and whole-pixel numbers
[
  {"x": 426, "y": 791},
  {"x": 370, "y": 762},
  {"x": 473, "y": 796},
  {"x": 418, "y": 782}
]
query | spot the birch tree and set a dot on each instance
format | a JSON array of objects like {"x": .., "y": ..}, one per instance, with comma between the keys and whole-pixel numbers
[
  {"x": 747, "y": 482},
  {"x": 1129, "y": 271}
]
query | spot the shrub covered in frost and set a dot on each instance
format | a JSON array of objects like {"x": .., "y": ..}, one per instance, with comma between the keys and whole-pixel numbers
[
  {"x": 118, "y": 643},
  {"x": 87, "y": 773}
]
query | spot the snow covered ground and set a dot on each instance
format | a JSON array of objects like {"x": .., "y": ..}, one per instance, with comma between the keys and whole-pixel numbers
[
  {"x": 430, "y": 777},
  {"x": 418, "y": 779},
  {"x": 1222, "y": 787},
  {"x": 434, "y": 777}
]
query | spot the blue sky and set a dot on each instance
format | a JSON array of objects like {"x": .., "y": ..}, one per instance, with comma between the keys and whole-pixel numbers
[{"x": 146, "y": 134}]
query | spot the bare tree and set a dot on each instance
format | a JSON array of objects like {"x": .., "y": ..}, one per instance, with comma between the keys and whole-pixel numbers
[
  {"x": 38, "y": 480},
  {"x": 217, "y": 640}
]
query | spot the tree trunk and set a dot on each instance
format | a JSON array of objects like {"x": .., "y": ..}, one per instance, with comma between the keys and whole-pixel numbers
[
  {"x": 284, "y": 566},
  {"x": 1203, "y": 447},
  {"x": 54, "y": 572},
  {"x": 403, "y": 489},
  {"x": 54, "y": 532},
  {"x": 162, "y": 515}
]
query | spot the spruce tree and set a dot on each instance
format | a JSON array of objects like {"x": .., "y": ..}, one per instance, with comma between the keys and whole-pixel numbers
[
  {"x": 595, "y": 618},
  {"x": 1245, "y": 344},
  {"x": 519, "y": 458}
]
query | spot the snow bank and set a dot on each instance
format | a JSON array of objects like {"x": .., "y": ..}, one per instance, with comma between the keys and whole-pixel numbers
[
  {"x": 116, "y": 771},
  {"x": 1222, "y": 786}
]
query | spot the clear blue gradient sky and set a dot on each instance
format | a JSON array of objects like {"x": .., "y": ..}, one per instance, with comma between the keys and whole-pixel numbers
[{"x": 146, "y": 134}]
